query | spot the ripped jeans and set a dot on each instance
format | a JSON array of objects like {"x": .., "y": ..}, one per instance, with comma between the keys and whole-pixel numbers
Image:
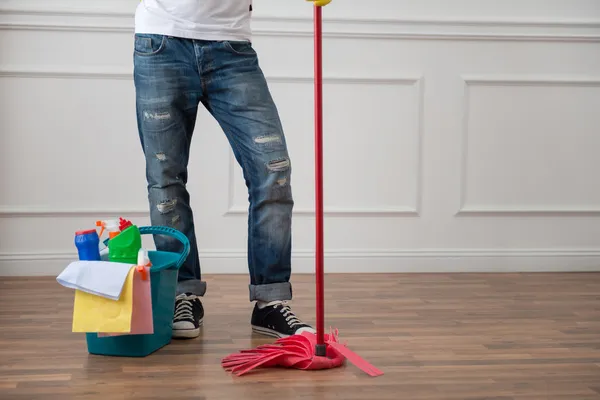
[{"x": 173, "y": 76}]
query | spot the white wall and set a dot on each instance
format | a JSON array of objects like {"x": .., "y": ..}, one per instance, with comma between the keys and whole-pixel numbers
[{"x": 460, "y": 135}]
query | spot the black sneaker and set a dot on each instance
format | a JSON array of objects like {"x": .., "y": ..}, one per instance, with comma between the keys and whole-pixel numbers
[
  {"x": 189, "y": 314},
  {"x": 277, "y": 319}
]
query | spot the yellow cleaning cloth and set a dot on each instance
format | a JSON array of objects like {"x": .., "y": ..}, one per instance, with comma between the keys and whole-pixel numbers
[{"x": 93, "y": 313}]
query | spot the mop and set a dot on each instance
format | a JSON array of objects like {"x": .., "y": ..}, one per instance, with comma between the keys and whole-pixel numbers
[{"x": 306, "y": 351}]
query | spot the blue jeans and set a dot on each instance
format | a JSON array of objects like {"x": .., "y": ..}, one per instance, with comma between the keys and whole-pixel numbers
[{"x": 173, "y": 76}]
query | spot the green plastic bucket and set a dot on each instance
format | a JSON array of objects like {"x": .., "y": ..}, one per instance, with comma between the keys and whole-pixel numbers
[{"x": 163, "y": 281}]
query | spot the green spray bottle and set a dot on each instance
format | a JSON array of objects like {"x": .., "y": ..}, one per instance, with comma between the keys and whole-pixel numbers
[{"x": 125, "y": 246}]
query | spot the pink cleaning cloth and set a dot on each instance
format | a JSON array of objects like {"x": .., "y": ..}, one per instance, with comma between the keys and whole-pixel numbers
[{"x": 141, "y": 315}]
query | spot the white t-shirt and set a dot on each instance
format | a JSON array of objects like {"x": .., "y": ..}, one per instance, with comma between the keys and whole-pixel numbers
[{"x": 195, "y": 19}]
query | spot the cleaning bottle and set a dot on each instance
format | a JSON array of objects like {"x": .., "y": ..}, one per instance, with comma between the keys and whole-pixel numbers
[
  {"x": 111, "y": 226},
  {"x": 87, "y": 243},
  {"x": 143, "y": 263},
  {"x": 124, "y": 247}
]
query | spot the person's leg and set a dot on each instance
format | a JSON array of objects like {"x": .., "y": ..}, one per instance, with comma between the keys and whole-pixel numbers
[
  {"x": 168, "y": 90},
  {"x": 238, "y": 97}
]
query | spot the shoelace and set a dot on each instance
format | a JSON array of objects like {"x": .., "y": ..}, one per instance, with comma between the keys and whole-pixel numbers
[
  {"x": 291, "y": 319},
  {"x": 184, "y": 309}
]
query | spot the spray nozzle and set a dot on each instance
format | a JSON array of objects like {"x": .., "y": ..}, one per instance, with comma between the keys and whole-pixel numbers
[
  {"x": 142, "y": 263},
  {"x": 124, "y": 224},
  {"x": 111, "y": 226}
]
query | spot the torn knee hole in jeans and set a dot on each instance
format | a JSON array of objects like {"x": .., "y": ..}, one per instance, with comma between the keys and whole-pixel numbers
[
  {"x": 270, "y": 142},
  {"x": 154, "y": 115},
  {"x": 166, "y": 207},
  {"x": 161, "y": 156},
  {"x": 267, "y": 139},
  {"x": 278, "y": 165}
]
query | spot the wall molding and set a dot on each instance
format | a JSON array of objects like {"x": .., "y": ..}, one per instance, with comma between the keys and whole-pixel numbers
[
  {"x": 522, "y": 211},
  {"x": 413, "y": 80},
  {"x": 59, "y": 72},
  {"x": 465, "y": 209},
  {"x": 349, "y": 253},
  {"x": 341, "y": 212},
  {"x": 93, "y": 72},
  {"x": 49, "y": 212},
  {"x": 77, "y": 18},
  {"x": 354, "y": 261}
]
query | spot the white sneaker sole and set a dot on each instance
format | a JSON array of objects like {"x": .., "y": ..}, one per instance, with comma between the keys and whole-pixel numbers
[
  {"x": 268, "y": 332},
  {"x": 187, "y": 333}
]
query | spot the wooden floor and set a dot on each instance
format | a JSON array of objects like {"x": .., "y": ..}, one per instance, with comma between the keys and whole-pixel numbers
[{"x": 514, "y": 336}]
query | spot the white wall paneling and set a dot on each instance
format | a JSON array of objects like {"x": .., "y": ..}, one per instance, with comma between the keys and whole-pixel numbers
[
  {"x": 459, "y": 136},
  {"x": 529, "y": 145}
]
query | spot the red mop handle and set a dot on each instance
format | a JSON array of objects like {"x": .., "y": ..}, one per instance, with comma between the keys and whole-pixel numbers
[{"x": 319, "y": 256}]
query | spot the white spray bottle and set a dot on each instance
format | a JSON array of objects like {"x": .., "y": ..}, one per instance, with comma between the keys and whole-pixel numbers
[{"x": 112, "y": 227}]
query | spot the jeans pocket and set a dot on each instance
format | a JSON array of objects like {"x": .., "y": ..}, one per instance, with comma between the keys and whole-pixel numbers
[
  {"x": 147, "y": 44},
  {"x": 242, "y": 48}
]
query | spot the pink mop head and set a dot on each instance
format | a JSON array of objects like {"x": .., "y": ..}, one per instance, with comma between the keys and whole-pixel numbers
[{"x": 296, "y": 351}]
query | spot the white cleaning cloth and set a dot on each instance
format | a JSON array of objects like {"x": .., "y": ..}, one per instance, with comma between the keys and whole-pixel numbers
[{"x": 101, "y": 278}]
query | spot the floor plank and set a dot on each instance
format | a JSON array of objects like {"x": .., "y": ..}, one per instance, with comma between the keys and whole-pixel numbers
[{"x": 436, "y": 336}]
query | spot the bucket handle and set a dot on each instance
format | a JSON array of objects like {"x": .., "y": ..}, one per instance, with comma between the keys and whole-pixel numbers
[{"x": 164, "y": 230}]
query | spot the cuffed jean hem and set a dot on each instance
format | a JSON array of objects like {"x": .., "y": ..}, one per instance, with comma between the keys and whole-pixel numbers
[
  {"x": 193, "y": 286},
  {"x": 271, "y": 292}
]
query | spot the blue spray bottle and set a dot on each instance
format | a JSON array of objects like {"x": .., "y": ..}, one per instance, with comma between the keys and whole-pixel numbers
[{"x": 88, "y": 245}]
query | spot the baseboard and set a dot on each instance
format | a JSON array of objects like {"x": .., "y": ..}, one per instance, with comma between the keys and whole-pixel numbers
[{"x": 353, "y": 261}]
